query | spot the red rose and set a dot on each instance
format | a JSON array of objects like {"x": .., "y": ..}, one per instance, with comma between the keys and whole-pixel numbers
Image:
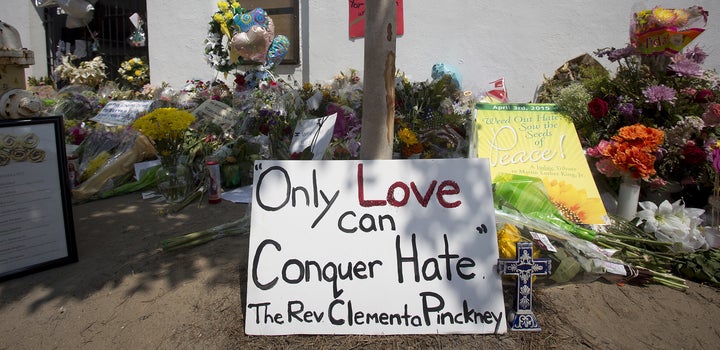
[
  {"x": 598, "y": 108},
  {"x": 704, "y": 96},
  {"x": 264, "y": 129},
  {"x": 693, "y": 155},
  {"x": 239, "y": 82}
]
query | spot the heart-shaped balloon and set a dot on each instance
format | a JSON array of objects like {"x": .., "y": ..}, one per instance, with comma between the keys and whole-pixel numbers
[
  {"x": 277, "y": 51},
  {"x": 256, "y": 17},
  {"x": 270, "y": 27},
  {"x": 252, "y": 45}
]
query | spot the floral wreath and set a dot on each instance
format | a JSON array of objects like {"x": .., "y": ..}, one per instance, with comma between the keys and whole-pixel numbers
[{"x": 220, "y": 32}]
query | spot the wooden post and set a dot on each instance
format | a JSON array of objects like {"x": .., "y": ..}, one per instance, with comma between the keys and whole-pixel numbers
[{"x": 378, "y": 80}]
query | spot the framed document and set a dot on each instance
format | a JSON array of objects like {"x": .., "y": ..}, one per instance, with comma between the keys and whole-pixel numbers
[{"x": 36, "y": 223}]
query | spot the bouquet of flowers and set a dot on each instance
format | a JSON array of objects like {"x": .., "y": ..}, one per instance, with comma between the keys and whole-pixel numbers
[
  {"x": 91, "y": 73},
  {"x": 342, "y": 95},
  {"x": 135, "y": 72},
  {"x": 656, "y": 85},
  {"x": 655, "y": 118},
  {"x": 631, "y": 152},
  {"x": 431, "y": 117},
  {"x": 166, "y": 128}
]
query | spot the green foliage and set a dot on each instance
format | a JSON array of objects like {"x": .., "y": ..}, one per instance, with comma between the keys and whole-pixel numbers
[
  {"x": 33, "y": 81},
  {"x": 701, "y": 266}
]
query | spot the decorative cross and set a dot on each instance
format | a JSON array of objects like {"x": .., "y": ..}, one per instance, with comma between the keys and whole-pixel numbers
[{"x": 524, "y": 267}]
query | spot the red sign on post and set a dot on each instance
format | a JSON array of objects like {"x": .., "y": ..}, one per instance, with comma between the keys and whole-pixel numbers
[{"x": 357, "y": 18}]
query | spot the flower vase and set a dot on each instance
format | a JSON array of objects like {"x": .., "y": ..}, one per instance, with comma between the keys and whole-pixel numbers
[
  {"x": 173, "y": 178},
  {"x": 628, "y": 197}
]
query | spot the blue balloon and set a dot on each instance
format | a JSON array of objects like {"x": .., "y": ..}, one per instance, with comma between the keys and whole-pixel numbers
[
  {"x": 277, "y": 51},
  {"x": 256, "y": 17},
  {"x": 441, "y": 69}
]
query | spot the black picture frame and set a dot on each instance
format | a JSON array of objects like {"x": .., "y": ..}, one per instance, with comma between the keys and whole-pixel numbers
[{"x": 37, "y": 231}]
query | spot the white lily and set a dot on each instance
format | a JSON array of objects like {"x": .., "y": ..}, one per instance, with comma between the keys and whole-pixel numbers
[{"x": 673, "y": 223}]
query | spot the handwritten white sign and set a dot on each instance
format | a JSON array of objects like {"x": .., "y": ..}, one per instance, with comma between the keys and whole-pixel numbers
[{"x": 373, "y": 247}]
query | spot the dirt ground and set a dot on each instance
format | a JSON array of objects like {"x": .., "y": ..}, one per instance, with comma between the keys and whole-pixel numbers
[{"x": 125, "y": 293}]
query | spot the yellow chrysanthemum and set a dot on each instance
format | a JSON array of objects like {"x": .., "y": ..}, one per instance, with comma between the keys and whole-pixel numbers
[
  {"x": 223, "y": 5},
  {"x": 235, "y": 5},
  {"x": 228, "y": 15},
  {"x": 218, "y": 18},
  {"x": 574, "y": 203},
  {"x": 507, "y": 236},
  {"x": 165, "y": 126},
  {"x": 407, "y": 136}
]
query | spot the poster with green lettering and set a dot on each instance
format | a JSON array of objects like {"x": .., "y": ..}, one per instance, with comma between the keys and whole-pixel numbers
[{"x": 535, "y": 140}]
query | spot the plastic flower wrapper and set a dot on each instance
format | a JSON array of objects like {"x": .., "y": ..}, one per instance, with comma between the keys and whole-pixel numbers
[
  {"x": 99, "y": 146},
  {"x": 444, "y": 142},
  {"x": 528, "y": 195},
  {"x": 77, "y": 102},
  {"x": 579, "y": 260},
  {"x": 574, "y": 259},
  {"x": 664, "y": 30},
  {"x": 113, "y": 157}
]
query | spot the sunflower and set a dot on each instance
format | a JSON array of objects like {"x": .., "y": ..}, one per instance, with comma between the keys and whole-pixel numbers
[{"x": 574, "y": 203}]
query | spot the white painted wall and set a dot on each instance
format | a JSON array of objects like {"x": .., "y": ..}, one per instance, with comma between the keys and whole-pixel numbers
[
  {"x": 28, "y": 21},
  {"x": 519, "y": 40}
]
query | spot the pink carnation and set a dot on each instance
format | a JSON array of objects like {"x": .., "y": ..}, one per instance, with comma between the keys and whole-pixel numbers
[
  {"x": 596, "y": 152},
  {"x": 606, "y": 167}
]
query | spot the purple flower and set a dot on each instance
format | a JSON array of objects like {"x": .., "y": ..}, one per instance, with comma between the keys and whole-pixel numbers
[
  {"x": 696, "y": 54},
  {"x": 617, "y": 54},
  {"x": 345, "y": 120},
  {"x": 687, "y": 68},
  {"x": 626, "y": 109},
  {"x": 659, "y": 93},
  {"x": 716, "y": 159}
]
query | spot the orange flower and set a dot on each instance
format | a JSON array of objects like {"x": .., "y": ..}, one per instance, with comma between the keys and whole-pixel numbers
[
  {"x": 645, "y": 137},
  {"x": 409, "y": 150},
  {"x": 633, "y": 149}
]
